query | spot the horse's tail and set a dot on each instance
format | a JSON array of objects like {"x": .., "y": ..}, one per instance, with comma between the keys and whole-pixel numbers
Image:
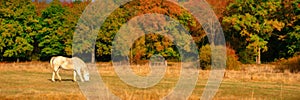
[{"x": 51, "y": 62}]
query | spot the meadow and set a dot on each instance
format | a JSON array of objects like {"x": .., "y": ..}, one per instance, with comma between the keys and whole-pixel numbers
[{"x": 31, "y": 80}]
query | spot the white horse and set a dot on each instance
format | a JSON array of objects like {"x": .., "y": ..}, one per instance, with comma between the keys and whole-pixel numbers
[{"x": 73, "y": 64}]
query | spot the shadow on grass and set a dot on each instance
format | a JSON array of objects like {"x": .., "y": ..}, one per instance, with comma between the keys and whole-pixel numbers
[{"x": 56, "y": 80}]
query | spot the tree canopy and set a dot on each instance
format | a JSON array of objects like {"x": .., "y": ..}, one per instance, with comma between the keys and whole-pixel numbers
[{"x": 254, "y": 29}]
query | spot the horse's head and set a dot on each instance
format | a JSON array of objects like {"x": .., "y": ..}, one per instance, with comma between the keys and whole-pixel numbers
[{"x": 86, "y": 76}]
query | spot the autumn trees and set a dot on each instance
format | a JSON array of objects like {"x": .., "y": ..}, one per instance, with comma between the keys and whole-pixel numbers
[
  {"x": 266, "y": 29},
  {"x": 152, "y": 43},
  {"x": 258, "y": 22}
]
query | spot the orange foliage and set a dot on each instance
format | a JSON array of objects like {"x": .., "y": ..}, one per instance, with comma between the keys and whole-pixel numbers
[
  {"x": 40, "y": 5},
  {"x": 219, "y": 6},
  {"x": 67, "y": 4}
]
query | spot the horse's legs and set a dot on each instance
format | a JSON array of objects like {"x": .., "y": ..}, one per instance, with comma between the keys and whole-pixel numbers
[
  {"x": 58, "y": 75},
  {"x": 53, "y": 75},
  {"x": 55, "y": 71},
  {"x": 74, "y": 76}
]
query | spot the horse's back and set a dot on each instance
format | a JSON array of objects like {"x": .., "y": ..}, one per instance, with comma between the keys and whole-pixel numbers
[
  {"x": 63, "y": 62},
  {"x": 59, "y": 60},
  {"x": 67, "y": 63},
  {"x": 76, "y": 59}
]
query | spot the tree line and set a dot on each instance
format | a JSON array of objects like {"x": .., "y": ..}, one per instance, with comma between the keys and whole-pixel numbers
[{"x": 255, "y": 30}]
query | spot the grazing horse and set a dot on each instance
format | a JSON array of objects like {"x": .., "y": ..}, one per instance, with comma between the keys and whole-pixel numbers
[{"x": 73, "y": 64}]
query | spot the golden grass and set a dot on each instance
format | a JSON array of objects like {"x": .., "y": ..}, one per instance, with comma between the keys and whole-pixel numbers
[{"x": 31, "y": 80}]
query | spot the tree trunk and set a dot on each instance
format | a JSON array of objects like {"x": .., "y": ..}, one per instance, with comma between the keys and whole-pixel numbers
[
  {"x": 130, "y": 58},
  {"x": 93, "y": 56},
  {"x": 93, "y": 49},
  {"x": 258, "y": 57}
]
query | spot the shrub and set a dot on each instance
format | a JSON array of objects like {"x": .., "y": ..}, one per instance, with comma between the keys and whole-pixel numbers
[
  {"x": 232, "y": 62},
  {"x": 247, "y": 56},
  {"x": 292, "y": 64}
]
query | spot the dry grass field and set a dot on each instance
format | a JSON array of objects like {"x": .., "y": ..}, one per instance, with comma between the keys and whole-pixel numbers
[{"x": 31, "y": 80}]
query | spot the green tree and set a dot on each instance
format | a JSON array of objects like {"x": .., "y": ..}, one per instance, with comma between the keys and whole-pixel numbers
[
  {"x": 254, "y": 21},
  {"x": 283, "y": 44},
  {"x": 293, "y": 37},
  {"x": 74, "y": 13},
  {"x": 109, "y": 29},
  {"x": 87, "y": 29},
  {"x": 18, "y": 21},
  {"x": 56, "y": 31}
]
